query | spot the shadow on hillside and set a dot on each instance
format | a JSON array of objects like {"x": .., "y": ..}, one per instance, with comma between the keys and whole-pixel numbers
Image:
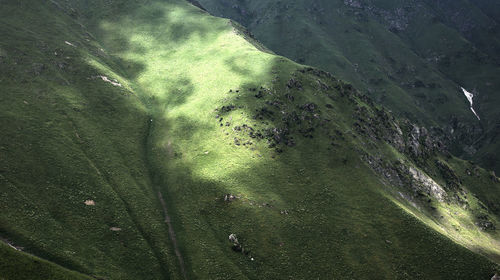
[{"x": 295, "y": 207}]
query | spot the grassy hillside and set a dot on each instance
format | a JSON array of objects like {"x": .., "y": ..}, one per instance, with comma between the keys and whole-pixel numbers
[
  {"x": 70, "y": 137},
  {"x": 411, "y": 56},
  {"x": 116, "y": 113},
  {"x": 18, "y": 265}
]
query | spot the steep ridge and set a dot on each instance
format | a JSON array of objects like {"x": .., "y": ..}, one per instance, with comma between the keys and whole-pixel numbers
[
  {"x": 108, "y": 103},
  {"x": 412, "y": 56}
]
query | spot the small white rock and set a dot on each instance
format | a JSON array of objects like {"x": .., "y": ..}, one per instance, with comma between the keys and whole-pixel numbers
[{"x": 89, "y": 202}]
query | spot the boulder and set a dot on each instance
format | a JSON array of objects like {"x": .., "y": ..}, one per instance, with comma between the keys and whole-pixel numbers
[
  {"x": 230, "y": 197},
  {"x": 233, "y": 238}
]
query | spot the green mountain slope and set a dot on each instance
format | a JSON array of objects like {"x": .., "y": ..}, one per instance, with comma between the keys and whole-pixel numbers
[
  {"x": 18, "y": 265},
  {"x": 137, "y": 136},
  {"x": 411, "y": 56}
]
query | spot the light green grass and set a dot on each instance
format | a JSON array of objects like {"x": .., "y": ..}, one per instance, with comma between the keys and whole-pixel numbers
[
  {"x": 411, "y": 56},
  {"x": 77, "y": 138}
]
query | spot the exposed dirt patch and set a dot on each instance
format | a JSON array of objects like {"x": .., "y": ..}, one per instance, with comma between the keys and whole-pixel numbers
[{"x": 171, "y": 234}]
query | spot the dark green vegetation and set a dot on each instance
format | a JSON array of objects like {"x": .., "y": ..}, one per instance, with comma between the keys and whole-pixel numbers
[
  {"x": 107, "y": 104},
  {"x": 412, "y": 56},
  {"x": 18, "y": 265}
]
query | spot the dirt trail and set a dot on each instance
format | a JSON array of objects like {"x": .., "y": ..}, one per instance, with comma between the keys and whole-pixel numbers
[{"x": 171, "y": 233}]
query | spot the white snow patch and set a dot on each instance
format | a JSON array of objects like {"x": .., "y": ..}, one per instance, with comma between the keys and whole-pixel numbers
[
  {"x": 69, "y": 44},
  {"x": 469, "y": 97},
  {"x": 473, "y": 111},
  {"x": 113, "y": 82}
]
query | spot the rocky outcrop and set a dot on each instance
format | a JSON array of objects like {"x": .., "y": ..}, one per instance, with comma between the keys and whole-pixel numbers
[
  {"x": 421, "y": 183},
  {"x": 484, "y": 223},
  {"x": 278, "y": 118},
  {"x": 236, "y": 245},
  {"x": 396, "y": 20},
  {"x": 408, "y": 178},
  {"x": 406, "y": 137}
]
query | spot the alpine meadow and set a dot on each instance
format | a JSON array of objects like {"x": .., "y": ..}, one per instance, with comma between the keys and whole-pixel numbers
[{"x": 249, "y": 139}]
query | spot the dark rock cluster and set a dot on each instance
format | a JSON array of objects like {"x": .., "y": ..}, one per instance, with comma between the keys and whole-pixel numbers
[
  {"x": 236, "y": 245},
  {"x": 279, "y": 117},
  {"x": 316, "y": 72},
  {"x": 484, "y": 223},
  {"x": 293, "y": 83},
  {"x": 453, "y": 182}
]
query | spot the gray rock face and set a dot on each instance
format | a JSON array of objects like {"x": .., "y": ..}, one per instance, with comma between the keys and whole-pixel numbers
[
  {"x": 421, "y": 142},
  {"x": 423, "y": 183},
  {"x": 404, "y": 136},
  {"x": 412, "y": 181}
]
